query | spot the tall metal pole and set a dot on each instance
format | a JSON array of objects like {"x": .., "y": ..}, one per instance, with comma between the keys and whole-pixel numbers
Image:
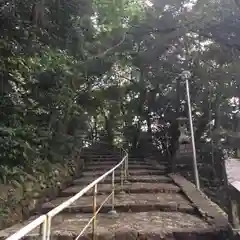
[{"x": 195, "y": 168}]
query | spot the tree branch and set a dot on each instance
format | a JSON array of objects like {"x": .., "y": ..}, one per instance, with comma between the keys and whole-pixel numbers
[{"x": 101, "y": 55}]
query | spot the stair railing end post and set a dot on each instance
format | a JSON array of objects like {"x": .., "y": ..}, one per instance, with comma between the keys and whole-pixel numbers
[
  {"x": 122, "y": 175},
  {"x": 127, "y": 167},
  {"x": 94, "y": 222},
  {"x": 113, "y": 190},
  {"x": 48, "y": 227},
  {"x": 43, "y": 229}
]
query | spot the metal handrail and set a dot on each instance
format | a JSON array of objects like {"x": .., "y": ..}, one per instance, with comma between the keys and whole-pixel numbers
[
  {"x": 44, "y": 221},
  {"x": 30, "y": 227}
]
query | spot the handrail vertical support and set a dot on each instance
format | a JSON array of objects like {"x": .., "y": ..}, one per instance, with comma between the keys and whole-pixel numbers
[
  {"x": 43, "y": 230},
  {"x": 127, "y": 167},
  {"x": 45, "y": 221},
  {"x": 125, "y": 170},
  {"x": 122, "y": 179},
  {"x": 113, "y": 212},
  {"x": 48, "y": 227},
  {"x": 113, "y": 190},
  {"x": 122, "y": 176},
  {"x": 94, "y": 212}
]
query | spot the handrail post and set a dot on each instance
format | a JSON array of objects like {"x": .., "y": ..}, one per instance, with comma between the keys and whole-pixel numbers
[
  {"x": 127, "y": 167},
  {"x": 94, "y": 212},
  {"x": 45, "y": 221},
  {"x": 43, "y": 230},
  {"x": 113, "y": 212},
  {"x": 48, "y": 227},
  {"x": 113, "y": 190},
  {"x": 122, "y": 176}
]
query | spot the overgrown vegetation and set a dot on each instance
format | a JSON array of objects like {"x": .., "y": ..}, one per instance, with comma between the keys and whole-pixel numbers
[{"x": 109, "y": 70}]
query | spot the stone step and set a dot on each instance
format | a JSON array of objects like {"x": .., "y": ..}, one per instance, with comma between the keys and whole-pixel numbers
[
  {"x": 128, "y": 188},
  {"x": 128, "y": 202},
  {"x": 103, "y": 159},
  {"x": 103, "y": 155},
  {"x": 140, "y": 179},
  {"x": 101, "y": 167},
  {"x": 101, "y": 162},
  {"x": 112, "y": 163},
  {"x": 157, "y": 162},
  {"x": 142, "y": 225},
  {"x": 119, "y": 157},
  {"x": 99, "y": 152},
  {"x": 132, "y": 166},
  {"x": 136, "y": 172}
]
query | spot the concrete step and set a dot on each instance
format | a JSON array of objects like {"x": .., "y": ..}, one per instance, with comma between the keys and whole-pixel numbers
[
  {"x": 141, "y": 202},
  {"x": 136, "y": 172},
  {"x": 140, "y": 179},
  {"x": 143, "y": 225},
  {"x": 128, "y": 188}
]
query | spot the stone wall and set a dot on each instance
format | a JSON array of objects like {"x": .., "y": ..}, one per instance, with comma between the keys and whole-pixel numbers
[{"x": 21, "y": 199}]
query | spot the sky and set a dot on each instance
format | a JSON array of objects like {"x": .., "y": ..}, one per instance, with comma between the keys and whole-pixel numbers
[{"x": 189, "y": 5}]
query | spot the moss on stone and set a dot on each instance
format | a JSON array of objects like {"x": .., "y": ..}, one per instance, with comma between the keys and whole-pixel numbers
[{"x": 19, "y": 198}]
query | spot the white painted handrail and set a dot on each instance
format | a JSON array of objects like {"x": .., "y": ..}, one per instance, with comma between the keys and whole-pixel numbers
[
  {"x": 44, "y": 221},
  {"x": 70, "y": 201},
  {"x": 28, "y": 228}
]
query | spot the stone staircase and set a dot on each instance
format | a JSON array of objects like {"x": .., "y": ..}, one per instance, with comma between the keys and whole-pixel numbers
[{"x": 152, "y": 205}]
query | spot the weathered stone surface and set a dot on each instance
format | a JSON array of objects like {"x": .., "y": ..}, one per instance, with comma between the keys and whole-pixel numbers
[
  {"x": 209, "y": 210},
  {"x": 20, "y": 199},
  {"x": 104, "y": 159},
  {"x": 128, "y": 202},
  {"x": 103, "y": 162},
  {"x": 143, "y": 178},
  {"x": 233, "y": 169},
  {"x": 153, "y": 207},
  {"x": 129, "y": 225},
  {"x": 129, "y": 188},
  {"x": 139, "y": 166},
  {"x": 136, "y": 172}
]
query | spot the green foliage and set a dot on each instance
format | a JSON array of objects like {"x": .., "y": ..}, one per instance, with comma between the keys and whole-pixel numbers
[
  {"x": 116, "y": 14},
  {"x": 48, "y": 62},
  {"x": 70, "y": 74}
]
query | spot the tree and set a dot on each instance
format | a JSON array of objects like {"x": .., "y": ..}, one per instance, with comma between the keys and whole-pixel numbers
[{"x": 69, "y": 72}]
